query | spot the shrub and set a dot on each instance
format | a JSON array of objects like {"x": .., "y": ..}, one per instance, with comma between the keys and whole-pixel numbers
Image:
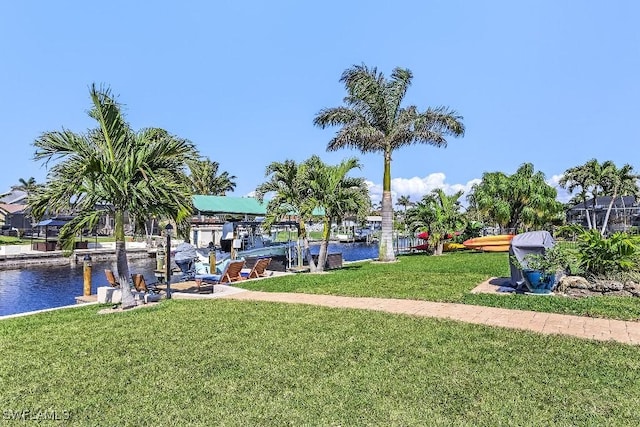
[
  {"x": 600, "y": 255},
  {"x": 554, "y": 259}
]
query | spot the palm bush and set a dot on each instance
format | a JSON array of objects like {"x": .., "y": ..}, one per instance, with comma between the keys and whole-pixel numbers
[{"x": 600, "y": 255}]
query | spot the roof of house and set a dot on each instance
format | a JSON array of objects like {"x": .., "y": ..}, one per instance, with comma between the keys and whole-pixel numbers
[
  {"x": 603, "y": 203},
  {"x": 13, "y": 197},
  {"x": 12, "y": 208}
]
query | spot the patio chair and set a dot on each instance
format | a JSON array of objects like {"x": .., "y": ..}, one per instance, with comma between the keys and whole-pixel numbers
[
  {"x": 258, "y": 270},
  {"x": 141, "y": 284},
  {"x": 231, "y": 273},
  {"x": 111, "y": 278}
]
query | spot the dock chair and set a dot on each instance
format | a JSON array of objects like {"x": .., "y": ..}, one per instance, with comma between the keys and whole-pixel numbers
[
  {"x": 258, "y": 270},
  {"x": 141, "y": 284},
  {"x": 231, "y": 273},
  {"x": 111, "y": 278}
]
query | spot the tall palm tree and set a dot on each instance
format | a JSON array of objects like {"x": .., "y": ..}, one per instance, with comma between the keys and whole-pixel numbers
[
  {"x": 141, "y": 173},
  {"x": 205, "y": 178},
  {"x": 578, "y": 178},
  {"x": 597, "y": 173},
  {"x": 291, "y": 194},
  {"x": 372, "y": 120},
  {"x": 337, "y": 195},
  {"x": 619, "y": 182}
]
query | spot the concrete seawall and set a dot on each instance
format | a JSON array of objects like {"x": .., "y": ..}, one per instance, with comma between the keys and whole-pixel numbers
[{"x": 18, "y": 256}]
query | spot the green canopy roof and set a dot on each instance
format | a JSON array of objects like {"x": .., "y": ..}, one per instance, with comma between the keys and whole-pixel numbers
[
  {"x": 216, "y": 205},
  {"x": 229, "y": 205}
]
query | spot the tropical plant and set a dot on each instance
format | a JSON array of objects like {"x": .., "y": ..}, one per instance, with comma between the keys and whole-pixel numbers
[
  {"x": 405, "y": 202},
  {"x": 372, "y": 120},
  {"x": 521, "y": 201},
  {"x": 29, "y": 186},
  {"x": 553, "y": 259},
  {"x": 206, "y": 179},
  {"x": 619, "y": 182},
  {"x": 337, "y": 195},
  {"x": 141, "y": 173},
  {"x": 290, "y": 196},
  {"x": 439, "y": 214},
  {"x": 579, "y": 178},
  {"x": 594, "y": 179},
  {"x": 599, "y": 255}
]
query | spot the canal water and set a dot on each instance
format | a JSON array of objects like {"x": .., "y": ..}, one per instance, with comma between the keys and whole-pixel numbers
[{"x": 48, "y": 286}]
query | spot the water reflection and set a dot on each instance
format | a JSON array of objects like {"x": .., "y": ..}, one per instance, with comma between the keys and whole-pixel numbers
[{"x": 46, "y": 286}]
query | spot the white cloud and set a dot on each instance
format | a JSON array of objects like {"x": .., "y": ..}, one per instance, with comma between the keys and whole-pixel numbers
[
  {"x": 417, "y": 187},
  {"x": 563, "y": 195}
]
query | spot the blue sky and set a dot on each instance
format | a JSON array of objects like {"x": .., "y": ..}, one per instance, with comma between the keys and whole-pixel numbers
[{"x": 554, "y": 83}]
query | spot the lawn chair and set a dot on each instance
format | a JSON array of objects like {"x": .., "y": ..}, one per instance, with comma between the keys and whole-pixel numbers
[
  {"x": 141, "y": 284},
  {"x": 258, "y": 270},
  {"x": 111, "y": 278},
  {"x": 231, "y": 273}
]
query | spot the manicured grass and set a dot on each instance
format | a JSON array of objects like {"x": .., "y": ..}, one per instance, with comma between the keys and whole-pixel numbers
[
  {"x": 446, "y": 278},
  {"x": 11, "y": 240},
  {"x": 218, "y": 362}
]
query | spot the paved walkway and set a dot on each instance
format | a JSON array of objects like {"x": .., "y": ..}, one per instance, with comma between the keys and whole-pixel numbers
[{"x": 545, "y": 323}]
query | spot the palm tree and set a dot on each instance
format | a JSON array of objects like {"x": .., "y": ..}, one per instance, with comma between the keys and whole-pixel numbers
[
  {"x": 597, "y": 173},
  {"x": 578, "y": 178},
  {"x": 373, "y": 121},
  {"x": 440, "y": 214},
  {"x": 619, "y": 182},
  {"x": 205, "y": 179},
  {"x": 290, "y": 195},
  {"x": 404, "y": 201},
  {"x": 141, "y": 173},
  {"x": 28, "y": 186},
  {"x": 337, "y": 195},
  {"x": 522, "y": 200}
]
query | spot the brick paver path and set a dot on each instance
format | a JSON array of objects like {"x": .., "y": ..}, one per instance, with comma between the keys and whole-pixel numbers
[{"x": 545, "y": 323}]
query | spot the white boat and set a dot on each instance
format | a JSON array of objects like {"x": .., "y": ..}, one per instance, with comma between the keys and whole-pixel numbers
[{"x": 360, "y": 235}]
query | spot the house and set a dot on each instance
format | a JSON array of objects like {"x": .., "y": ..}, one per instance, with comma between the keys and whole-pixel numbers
[
  {"x": 14, "y": 211},
  {"x": 625, "y": 212}
]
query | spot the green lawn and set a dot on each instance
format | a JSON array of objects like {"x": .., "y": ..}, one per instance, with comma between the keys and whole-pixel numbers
[
  {"x": 217, "y": 362},
  {"x": 446, "y": 278}
]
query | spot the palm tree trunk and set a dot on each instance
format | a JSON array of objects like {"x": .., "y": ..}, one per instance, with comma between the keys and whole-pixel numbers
[
  {"x": 594, "y": 224},
  {"x": 606, "y": 217},
  {"x": 307, "y": 253},
  {"x": 386, "y": 252},
  {"x": 584, "y": 202},
  {"x": 302, "y": 237},
  {"x": 122, "y": 264},
  {"x": 324, "y": 245}
]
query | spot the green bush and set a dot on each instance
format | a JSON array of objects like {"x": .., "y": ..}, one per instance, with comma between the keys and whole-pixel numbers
[{"x": 600, "y": 255}]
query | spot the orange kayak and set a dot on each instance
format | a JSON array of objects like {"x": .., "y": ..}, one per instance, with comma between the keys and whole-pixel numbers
[{"x": 498, "y": 243}]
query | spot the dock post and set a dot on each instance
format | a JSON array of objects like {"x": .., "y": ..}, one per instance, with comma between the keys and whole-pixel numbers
[
  {"x": 86, "y": 270},
  {"x": 159, "y": 257},
  {"x": 167, "y": 263},
  {"x": 212, "y": 261}
]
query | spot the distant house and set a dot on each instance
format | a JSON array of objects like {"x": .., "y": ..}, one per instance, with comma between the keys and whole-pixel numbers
[
  {"x": 14, "y": 197},
  {"x": 625, "y": 212},
  {"x": 15, "y": 216},
  {"x": 14, "y": 211}
]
